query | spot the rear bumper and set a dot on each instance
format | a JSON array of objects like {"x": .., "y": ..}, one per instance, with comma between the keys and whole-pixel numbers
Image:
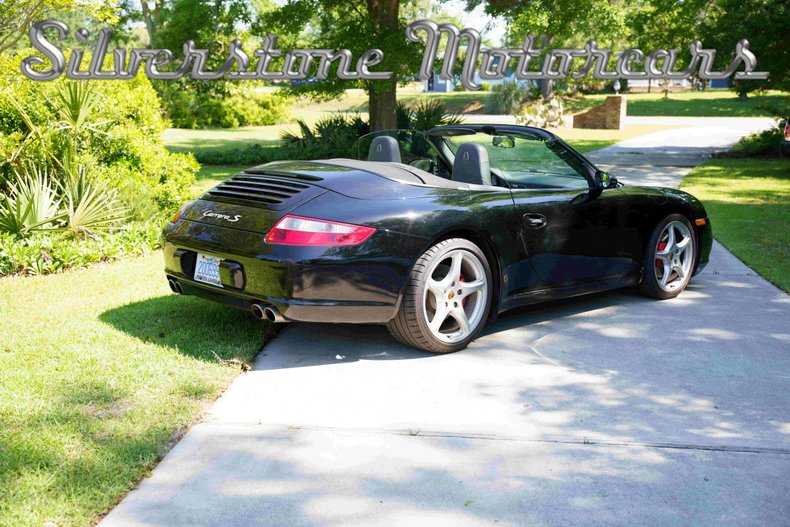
[
  {"x": 341, "y": 284},
  {"x": 327, "y": 311}
]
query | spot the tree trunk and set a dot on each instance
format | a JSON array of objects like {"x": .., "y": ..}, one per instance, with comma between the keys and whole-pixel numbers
[
  {"x": 547, "y": 85},
  {"x": 149, "y": 16},
  {"x": 384, "y": 16},
  {"x": 547, "y": 88},
  {"x": 382, "y": 107},
  {"x": 649, "y": 84}
]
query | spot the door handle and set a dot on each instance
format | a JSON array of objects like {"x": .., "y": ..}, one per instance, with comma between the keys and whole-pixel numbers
[{"x": 534, "y": 220}]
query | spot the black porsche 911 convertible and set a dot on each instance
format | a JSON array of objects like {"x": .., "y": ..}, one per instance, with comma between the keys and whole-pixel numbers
[{"x": 432, "y": 234}]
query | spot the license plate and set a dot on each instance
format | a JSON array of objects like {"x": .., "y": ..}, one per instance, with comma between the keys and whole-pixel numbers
[{"x": 207, "y": 270}]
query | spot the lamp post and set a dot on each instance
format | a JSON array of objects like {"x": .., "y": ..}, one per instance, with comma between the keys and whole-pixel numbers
[{"x": 617, "y": 87}]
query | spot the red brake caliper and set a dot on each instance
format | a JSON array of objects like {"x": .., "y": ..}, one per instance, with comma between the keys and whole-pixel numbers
[
  {"x": 463, "y": 301},
  {"x": 661, "y": 247}
]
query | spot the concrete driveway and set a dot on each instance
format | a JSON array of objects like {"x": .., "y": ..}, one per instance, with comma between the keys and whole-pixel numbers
[{"x": 609, "y": 409}]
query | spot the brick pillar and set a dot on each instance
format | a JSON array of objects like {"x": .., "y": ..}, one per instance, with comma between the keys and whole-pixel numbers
[{"x": 610, "y": 115}]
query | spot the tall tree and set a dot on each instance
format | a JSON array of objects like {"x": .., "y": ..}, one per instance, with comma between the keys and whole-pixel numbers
[
  {"x": 356, "y": 25},
  {"x": 719, "y": 24},
  {"x": 765, "y": 24}
]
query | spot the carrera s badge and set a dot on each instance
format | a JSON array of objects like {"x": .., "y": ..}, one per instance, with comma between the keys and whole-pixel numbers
[{"x": 211, "y": 214}]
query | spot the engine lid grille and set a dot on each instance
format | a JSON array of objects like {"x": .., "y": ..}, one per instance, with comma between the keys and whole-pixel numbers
[{"x": 273, "y": 191}]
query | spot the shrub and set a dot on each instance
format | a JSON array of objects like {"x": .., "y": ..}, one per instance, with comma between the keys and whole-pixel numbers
[
  {"x": 252, "y": 154},
  {"x": 337, "y": 135},
  {"x": 41, "y": 254},
  {"x": 507, "y": 98},
  {"x": 586, "y": 84},
  {"x": 188, "y": 108},
  {"x": 332, "y": 136},
  {"x": 120, "y": 137},
  {"x": 549, "y": 114},
  {"x": 765, "y": 143}
]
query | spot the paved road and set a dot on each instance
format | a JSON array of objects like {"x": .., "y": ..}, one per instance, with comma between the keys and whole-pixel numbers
[{"x": 610, "y": 409}]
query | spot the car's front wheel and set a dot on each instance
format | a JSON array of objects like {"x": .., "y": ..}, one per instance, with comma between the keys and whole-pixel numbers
[
  {"x": 447, "y": 300},
  {"x": 669, "y": 258}
]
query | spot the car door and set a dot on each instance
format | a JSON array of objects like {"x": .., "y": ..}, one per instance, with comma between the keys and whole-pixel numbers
[{"x": 571, "y": 230}]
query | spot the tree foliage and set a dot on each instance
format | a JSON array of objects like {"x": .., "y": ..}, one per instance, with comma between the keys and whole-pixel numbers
[
  {"x": 356, "y": 25},
  {"x": 560, "y": 22},
  {"x": 765, "y": 24},
  {"x": 17, "y": 15}
]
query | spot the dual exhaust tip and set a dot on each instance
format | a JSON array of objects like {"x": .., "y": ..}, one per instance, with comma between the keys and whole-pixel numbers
[
  {"x": 270, "y": 313},
  {"x": 259, "y": 311},
  {"x": 175, "y": 286}
]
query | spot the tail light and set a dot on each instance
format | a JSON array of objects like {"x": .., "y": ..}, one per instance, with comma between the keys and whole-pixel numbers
[
  {"x": 180, "y": 212},
  {"x": 296, "y": 230}
]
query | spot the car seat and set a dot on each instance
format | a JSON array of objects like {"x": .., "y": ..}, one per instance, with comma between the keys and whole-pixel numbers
[{"x": 471, "y": 165}]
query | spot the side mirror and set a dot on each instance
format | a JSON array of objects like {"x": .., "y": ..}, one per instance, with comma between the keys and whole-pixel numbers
[{"x": 605, "y": 179}]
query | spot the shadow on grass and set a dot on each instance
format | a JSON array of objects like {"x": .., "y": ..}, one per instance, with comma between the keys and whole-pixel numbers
[{"x": 195, "y": 327}]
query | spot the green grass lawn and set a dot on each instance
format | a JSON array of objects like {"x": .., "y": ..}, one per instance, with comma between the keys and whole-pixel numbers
[
  {"x": 709, "y": 103},
  {"x": 183, "y": 140},
  {"x": 102, "y": 370},
  {"x": 748, "y": 201}
]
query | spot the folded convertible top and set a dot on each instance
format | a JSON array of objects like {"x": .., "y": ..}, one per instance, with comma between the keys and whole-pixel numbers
[{"x": 398, "y": 172}]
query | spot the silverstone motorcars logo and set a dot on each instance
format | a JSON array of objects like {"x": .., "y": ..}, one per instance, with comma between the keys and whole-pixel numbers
[{"x": 298, "y": 64}]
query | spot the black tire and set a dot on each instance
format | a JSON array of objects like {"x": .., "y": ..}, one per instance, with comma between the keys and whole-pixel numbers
[
  {"x": 650, "y": 283},
  {"x": 410, "y": 325}
]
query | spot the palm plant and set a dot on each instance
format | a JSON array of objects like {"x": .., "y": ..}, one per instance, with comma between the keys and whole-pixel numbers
[
  {"x": 74, "y": 103},
  {"x": 430, "y": 113},
  {"x": 332, "y": 136},
  {"x": 404, "y": 116},
  {"x": 87, "y": 206},
  {"x": 424, "y": 115},
  {"x": 304, "y": 135},
  {"x": 32, "y": 203}
]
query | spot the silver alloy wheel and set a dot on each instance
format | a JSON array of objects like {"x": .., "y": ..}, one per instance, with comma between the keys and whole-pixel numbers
[
  {"x": 455, "y": 296},
  {"x": 674, "y": 256}
]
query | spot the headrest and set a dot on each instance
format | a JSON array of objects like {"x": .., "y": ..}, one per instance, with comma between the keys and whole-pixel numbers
[
  {"x": 471, "y": 165},
  {"x": 384, "y": 148}
]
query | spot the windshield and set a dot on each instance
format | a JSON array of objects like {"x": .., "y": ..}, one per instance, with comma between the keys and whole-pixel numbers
[{"x": 522, "y": 159}]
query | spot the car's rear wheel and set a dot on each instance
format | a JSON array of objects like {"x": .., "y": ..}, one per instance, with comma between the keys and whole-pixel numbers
[
  {"x": 447, "y": 299},
  {"x": 669, "y": 258}
]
